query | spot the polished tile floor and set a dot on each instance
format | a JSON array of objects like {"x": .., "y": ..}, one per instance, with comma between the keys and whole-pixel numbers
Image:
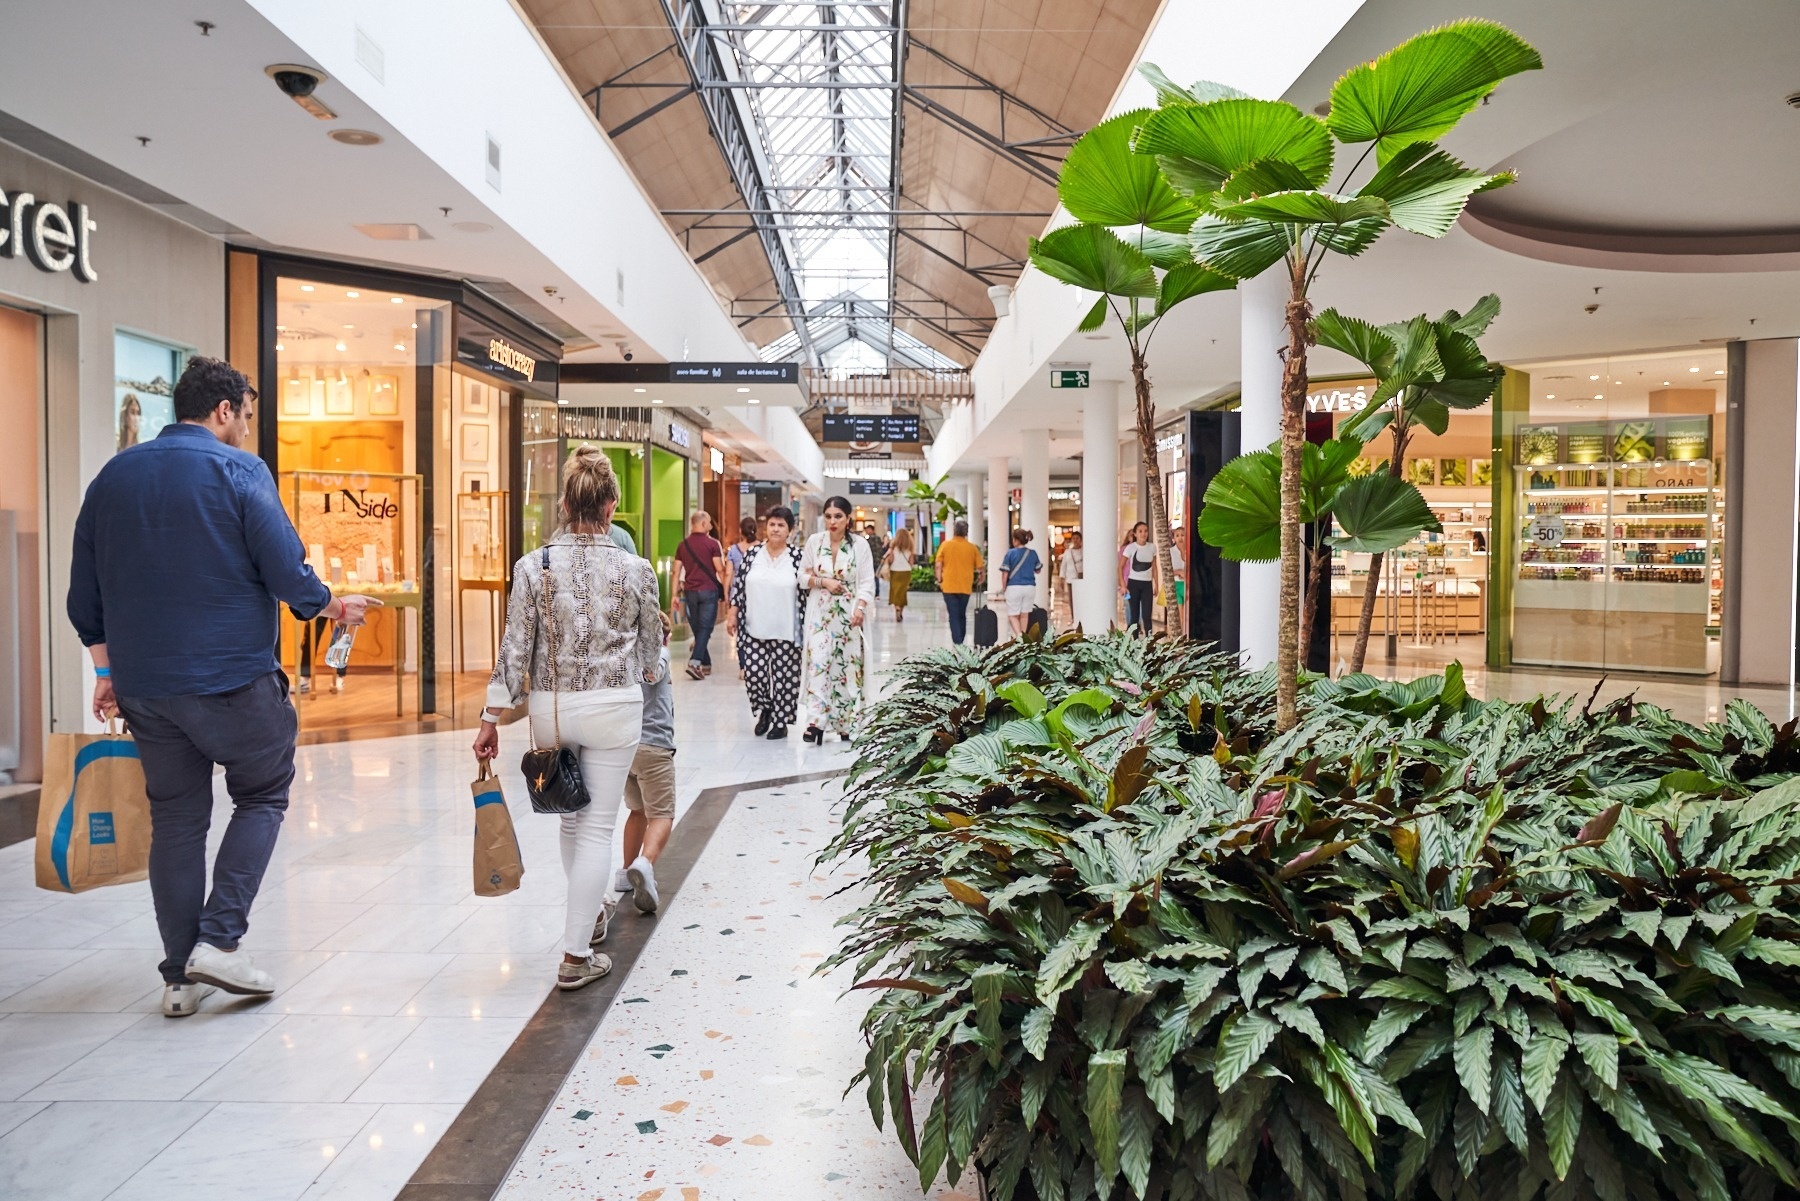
[{"x": 400, "y": 990}]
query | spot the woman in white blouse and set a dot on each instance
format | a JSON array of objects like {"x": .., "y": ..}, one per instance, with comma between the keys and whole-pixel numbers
[
  {"x": 768, "y": 597},
  {"x": 840, "y": 575}
]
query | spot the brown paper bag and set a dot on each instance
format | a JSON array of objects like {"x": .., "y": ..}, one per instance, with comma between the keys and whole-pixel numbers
[
  {"x": 93, "y": 824},
  {"x": 497, "y": 866}
]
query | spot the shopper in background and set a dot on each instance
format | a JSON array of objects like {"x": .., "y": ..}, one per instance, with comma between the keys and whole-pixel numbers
[
  {"x": 768, "y": 603},
  {"x": 1018, "y": 580},
  {"x": 650, "y": 789},
  {"x": 958, "y": 560},
  {"x": 734, "y": 559},
  {"x": 877, "y": 552},
  {"x": 1177, "y": 594},
  {"x": 1137, "y": 577},
  {"x": 583, "y": 634},
  {"x": 1071, "y": 567},
  {"x": 699, "y": 587},
  {"x": 840, "y": 575},
  {"x": 183, "y": 556},
  {"x": 899, "y": 563}
]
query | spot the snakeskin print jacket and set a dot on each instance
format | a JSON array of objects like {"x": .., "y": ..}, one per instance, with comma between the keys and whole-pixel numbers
[{"x": 602, "y": 620}]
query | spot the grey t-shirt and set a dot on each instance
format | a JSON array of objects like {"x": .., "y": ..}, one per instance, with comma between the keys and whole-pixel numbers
[
  {"x": 659, "y": 709},
  {"x": 621, "y": 539}
]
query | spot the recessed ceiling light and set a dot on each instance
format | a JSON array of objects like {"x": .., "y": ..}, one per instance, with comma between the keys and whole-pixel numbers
[
  {"x": 279, "y": 328},
  {"x": 1665, "y": 383},
  {"x": 743, "y": 389},
  {"x": 399, "y": 346},
  {"x": 640, "y": 389},
  {"x": 279, "y": 346},
  {"x": 656, "y": 400},
  {"x": 1693, "y": 370},
  {"x": 347, "y": 325},
  {"x": 471, "y": 227},
  {"x": 1599, "y": 396},
  {"x": 1618, "y": 381},
  {"x": 755, "y": 401},
  {"x": 1550, "y": 396},
  {"x": 397, "y": 299},
  {"x": 306, "y": 287},
  {"x": 562, "y": 402},
  {"x": 353, "y": 295},
  {"x": 415, "y": 325},
  {"x": 1718, "y": 371},
  {"x": 1593, "y": 377},
  {"x": 355, "y": 137},
  {"x": 341, "y": 346}
]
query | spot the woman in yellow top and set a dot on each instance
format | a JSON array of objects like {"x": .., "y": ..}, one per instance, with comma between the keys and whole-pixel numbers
[{"x": 957, "y": 561}]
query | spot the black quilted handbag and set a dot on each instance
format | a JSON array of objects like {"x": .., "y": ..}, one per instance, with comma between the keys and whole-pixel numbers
[{"x": 553, "y": 773}]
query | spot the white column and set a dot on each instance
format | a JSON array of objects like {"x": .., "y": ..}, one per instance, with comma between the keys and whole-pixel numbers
[
  {"x": 1263, "y": 305},
  {"x": 1096, "y": 599},
  {"x": 1034, "y": 510},
  {"x": 976, "y": 485},
  {"x": 999, "y": 491}
]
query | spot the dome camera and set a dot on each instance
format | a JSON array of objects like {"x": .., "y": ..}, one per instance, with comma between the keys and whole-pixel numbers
[
  {"x": 625, "y": 351},
  {"x": 298, "y": 82}
]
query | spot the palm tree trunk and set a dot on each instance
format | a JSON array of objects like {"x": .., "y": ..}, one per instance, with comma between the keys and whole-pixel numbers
[
  {"x": 1317, "y": 578},
  {"x": 1293, "y": 441},
  {"x": 1366, "y": 619},
  {"x": 1146, "y": 435}
]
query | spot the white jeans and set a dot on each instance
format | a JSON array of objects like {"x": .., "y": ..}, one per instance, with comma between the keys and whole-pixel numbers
[{"x": 602, "y": 726}]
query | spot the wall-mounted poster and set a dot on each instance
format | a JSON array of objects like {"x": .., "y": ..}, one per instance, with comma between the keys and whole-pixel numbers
[
  {"x": 1587, "y": 444},
  {"x": 296, "y": 397},
  {"x": 384, "y": 396},
  {"x": 1481, "y": 472},
  {"x": 1539, "y": 444},
  {"x": 144, "y": 375},
  {"x": 1688, "y": 439},
  {"x": 1422, "y": 472},
  {"x": 475, "y": 399},
  {"x": 340, "y": 401},
  {"x": 475, "y": 443},
  {"x": 1453, "y": 473},
  {"x": 1634, "y": 441}
]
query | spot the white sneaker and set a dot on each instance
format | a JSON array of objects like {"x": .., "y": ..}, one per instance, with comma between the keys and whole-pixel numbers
[
  {"x": 183, "y": 1000},
  {"x": 642, "y": 874},
  {"x": 571, "y": 976},
  {"x": 620, "y": 883},
  {"x": 232, "y": 971},
  {"x": 601, "y": 924}
]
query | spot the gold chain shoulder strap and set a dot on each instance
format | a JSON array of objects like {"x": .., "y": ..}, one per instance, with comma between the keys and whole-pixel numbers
[{"x": 549, "y": 613}]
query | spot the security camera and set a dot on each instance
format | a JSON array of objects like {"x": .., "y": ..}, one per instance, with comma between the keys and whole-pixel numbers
[
  {"x": 299, "y": 82},
  {"x": 625, "y": 351}
]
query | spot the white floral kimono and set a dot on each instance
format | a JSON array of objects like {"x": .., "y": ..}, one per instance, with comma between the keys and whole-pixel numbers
[{"x": 836, "y": 652}]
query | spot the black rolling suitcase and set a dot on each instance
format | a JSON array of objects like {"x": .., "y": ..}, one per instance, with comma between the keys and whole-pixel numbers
[
  {"x": 987, "y": 627},
  {"x": 1039, "y": 620}
]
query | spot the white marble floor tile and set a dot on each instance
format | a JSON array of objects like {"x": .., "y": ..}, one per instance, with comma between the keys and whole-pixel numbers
[
  {"x": 103, "y": 982},
  {"x": 157, "y": 1058},
  {"x": 13, "y": 910},
  {"x": 397, "y": 928},
  {"x": 310, "y": 884},
  {"x": 377, "y": 1164},
  {"x": 85, "y": 1152},
  {"x": 65, "y": 925},
  {"x": 444, "y": 1060},
  {"x": 358, "y": 982},
  {"x": 307, "y": 1058},
  {"x": 36, "y": 1046},
  {"x": 499, "y": 986},
  {"x": 507, "y": 929},
  {"x": 292, "y": 925},
  {"x": 444, "y": 884},
  {"x": 269, "y": 1152},
  {"x": 12, "y": 1113},
  {"x": 22, "y": 969}
]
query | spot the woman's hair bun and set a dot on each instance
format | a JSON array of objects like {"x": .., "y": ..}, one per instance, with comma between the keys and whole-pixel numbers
[{"x": 590, "y": 486}]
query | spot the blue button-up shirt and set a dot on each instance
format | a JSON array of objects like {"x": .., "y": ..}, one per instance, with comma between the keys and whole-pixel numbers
[{"x": 183, "y": 555}]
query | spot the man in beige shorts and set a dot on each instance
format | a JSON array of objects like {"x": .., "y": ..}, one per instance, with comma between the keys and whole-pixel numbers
[{"x": 650, "y": 790}]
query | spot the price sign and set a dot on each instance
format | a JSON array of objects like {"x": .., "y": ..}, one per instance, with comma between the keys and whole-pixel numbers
[{"x": 1547, "y": 532}]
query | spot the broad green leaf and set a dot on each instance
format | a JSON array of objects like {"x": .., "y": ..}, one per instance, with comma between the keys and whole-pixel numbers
[
  {"x": 1097, "y": 699},
  {"x": 1475, "y": 322},
  {"x": 1645, "y": 923},
  {"x": 1241, "y": 1046},
  {"x": 1425, "y": 189},
  {"x": 1240, "y": 249},
  {"x": 1094, "y": 258},
  {"x": 1105, "y": 1083},
  {"x": 1034, "y": 1030},
  {"x": 1600, "y": 1051},
  {"x": 1103, "y": 183},
  {"x": 1066, "y": 959},
  {"x": 1096, "y": 317},
  {"x": 1352, "y": 237},
  {"x": 1562, "y": 1123},
  {"x": 1190, "y": 280},
  {"x": 1356, "y": 338},
  {"x": 1170, "y": 92},
  {"x": 1473, "y": 1054},
  {"x": 1331, "y": 1074},
  {"x": 1165, "y": 250},
  {"x": 1538, "y": 1064},
  {"x": 1419, "y": 90},
  {"x": 1395, "y": 1019},
  {"x": 1200, "y": 146},
  {"x": 1379, "y": 512},
  {"x": 1023, "y": 696},
  {"x": 1261, "y": 178},
  {"x": 1324, "y": 470},
  {"x": 1241, "y": 511},
  {"x": 1306, "y": 208}
]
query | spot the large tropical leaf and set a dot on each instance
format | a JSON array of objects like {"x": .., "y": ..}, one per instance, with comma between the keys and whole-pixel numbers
[
  {"x": 1356, "y": 338},
  {"x": 1104, "y": 183},
  {"x": 1240, "y": 249},
  {"x": 1093, "y": 257},
  {"x": 1166, "y": 250},
  {"x": 1420, "y": 89},
  {"x": 1096, "y": 317},
  {"x": 1262, "y": 178},
  {"x": 1465, "y": 378},
  {"x": 1170, "y": 92},
  {"x": 1475, "y": 322},
  {"x": 1324, "y": 470},
  {"x": 1426, "y": 190},
  {"x": 1241, "y": 511},
  {"x": 1188, "y": 281},
  {"x": 1200, "y": 146},
  {"x": 1379, "y": 512},
  {"x": 1306, "y": 208}
]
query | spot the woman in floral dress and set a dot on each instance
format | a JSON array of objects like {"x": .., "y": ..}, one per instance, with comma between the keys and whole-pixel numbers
[{"x": 839, "y": 574}]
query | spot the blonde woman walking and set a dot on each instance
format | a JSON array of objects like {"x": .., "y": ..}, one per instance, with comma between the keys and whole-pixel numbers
[
  {"x": 899, "y": 564},
  {"x": 583, "y": 635}
]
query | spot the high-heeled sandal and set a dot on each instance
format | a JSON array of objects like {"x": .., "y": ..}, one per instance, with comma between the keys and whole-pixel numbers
[{"x": 815, "y": 734}]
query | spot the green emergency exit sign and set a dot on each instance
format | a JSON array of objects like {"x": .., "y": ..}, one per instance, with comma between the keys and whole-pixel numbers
[{"x": 1062, "y": 377}]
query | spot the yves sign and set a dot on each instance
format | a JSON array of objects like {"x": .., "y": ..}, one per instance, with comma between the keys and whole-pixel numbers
[{"x": 53, "y": 237}]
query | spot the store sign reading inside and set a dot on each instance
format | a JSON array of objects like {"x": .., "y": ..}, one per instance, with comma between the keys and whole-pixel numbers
[
  {"x": 369, "y": 508},
  {"x": 505, "y": 354},
  {"x": 54, "y": 238}
]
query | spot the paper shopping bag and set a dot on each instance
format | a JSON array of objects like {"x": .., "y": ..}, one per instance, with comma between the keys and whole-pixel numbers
[
  {"x": 93, "y": 817},
  {"x": 497, "y": 866}
]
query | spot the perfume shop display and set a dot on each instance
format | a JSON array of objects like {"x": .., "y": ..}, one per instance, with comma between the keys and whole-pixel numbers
[{"x": 1619, "y": 545}]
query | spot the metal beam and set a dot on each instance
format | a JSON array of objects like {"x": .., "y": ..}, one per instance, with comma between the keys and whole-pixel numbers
[{"x": 1024, "y": 153}]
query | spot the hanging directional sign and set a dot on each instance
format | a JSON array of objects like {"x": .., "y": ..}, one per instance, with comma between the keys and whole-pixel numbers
[{"x": 1065, "y": 377}]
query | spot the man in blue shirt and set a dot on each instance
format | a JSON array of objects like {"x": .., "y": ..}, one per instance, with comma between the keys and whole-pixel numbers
[{"x": 183, "y": 556}]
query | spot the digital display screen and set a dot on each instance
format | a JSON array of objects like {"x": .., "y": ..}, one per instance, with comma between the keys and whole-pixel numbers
[{"x": 871, "y": 427}]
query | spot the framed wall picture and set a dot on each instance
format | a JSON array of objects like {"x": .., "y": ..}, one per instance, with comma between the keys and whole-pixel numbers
[
  {"x": 1453, "y": 473},
  {"x": 1481, "y": 472},
  {"x": 340, "y": 400},
  {"x": 296, "y": 397},
  {"x": 475, "y": 399},
  {"x": 475, "y": 482},
  {"x": 475, "y": 442},
  {"x": 384, "y": 396}
]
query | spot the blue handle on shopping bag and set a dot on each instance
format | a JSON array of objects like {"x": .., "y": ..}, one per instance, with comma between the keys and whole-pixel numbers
[{"x": 112, "y": 748}]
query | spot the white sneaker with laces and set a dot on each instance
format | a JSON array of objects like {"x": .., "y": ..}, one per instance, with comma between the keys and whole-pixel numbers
[
  {"x": 620, "y": 882},
  {"x": 601, "y": 925},
  {"x": 233, "y": 971},
  {"x": 183, "y": 1000},
  {"x": 642, "y": 874}
]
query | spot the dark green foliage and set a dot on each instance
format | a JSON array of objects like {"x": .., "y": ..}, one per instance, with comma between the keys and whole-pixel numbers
[{"x": 1418, "y": 946}]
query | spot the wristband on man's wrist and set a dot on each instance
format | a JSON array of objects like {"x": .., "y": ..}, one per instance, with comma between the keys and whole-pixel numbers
[{"x": 104, "y": 673}]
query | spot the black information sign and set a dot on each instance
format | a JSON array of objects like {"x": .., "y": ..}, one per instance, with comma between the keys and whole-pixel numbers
[
  {"x": 871, "y": 427},
  {"x": 734, "y": 373},
  {"x": 874, "y": 488}
]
